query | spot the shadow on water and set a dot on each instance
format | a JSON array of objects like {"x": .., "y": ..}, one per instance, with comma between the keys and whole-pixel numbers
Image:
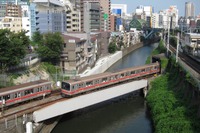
[{"x": 122, "y": 114}]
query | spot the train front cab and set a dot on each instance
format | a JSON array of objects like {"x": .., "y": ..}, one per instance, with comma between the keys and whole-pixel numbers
[{"x": 65, "y": 89}]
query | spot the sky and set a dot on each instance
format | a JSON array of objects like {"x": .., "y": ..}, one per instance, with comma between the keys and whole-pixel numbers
[{"x": 158, "y": 5}]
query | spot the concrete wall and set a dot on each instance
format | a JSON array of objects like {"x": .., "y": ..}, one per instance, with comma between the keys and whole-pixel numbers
[
  {"x": 103, "y": 64},
  {"x": 131, "y": 48}
]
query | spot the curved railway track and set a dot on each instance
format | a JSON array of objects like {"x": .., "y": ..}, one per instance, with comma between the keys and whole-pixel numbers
[
  {"x": 195, "y": 65},
  {"x": 30, "y": 107}
]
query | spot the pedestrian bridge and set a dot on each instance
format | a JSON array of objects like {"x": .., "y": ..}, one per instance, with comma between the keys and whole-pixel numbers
[{"x": 82, "y": 101}]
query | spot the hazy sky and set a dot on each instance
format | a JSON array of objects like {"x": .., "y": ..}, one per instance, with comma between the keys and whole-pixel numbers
[{"x": 158, "y": 5}]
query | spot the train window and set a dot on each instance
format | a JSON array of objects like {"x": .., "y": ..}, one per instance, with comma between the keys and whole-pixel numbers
[
  {"x": 132, "y": 72},
  {"x": 148, "y": 69},
  {"x": 127, "y": 73},
  {"x": 143, "y": 70},
  {"x": 40, "y": 88},
  {"x": 116, "y": 76},
  {"x": 7, "y": 97},
  {"x": 122, "y": 75},
  {"x": 31, "y": 91},
  {"x": 0, "y": 98},
  {"x": 112, "y": 78},
  {"x": 96, "y": 81},
  {"x": 65, "y": 86},
  {"x": 73, "y": 87},
  {"x": 16, "y": 95},
  {"x": 104, "y": 79},
  {"x": 25, "y": 92},
  {"x": 19, "y": 94},
  {"x": 137, "y": 71},
  {"x": 89, "y": 83},
  {"x": 80, "y": 85}
]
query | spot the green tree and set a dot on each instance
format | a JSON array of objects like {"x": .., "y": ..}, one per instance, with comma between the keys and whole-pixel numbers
[
  {"x": 173, "y": 41},
  {"x": 13, "y": 48},
  {"x": 112, "y": 47},
  {"x": 37, "y": 37},
  {"x": 51, "y": 48}
]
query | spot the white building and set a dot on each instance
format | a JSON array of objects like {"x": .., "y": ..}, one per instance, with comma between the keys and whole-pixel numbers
[
  {"x": 192, "y": 44},
  {"x": 168, "y": 18},
  {"x": 155, "y": 20},
  {"x": 26, "y": 23},
  {"x": 148, "y": 10}
]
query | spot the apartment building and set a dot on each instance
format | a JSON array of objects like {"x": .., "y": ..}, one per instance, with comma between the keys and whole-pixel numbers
[
  {"x": 92, "y": 16},
  {"x": 73, "y": 55},
  {"x": 13, "y": 10},
  {"x": 14, "y": 24}
]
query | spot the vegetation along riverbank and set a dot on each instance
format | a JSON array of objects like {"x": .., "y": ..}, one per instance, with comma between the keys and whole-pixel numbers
[{"x": 174, "y": 100}]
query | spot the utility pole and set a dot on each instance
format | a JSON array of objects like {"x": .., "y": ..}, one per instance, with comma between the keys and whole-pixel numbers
[
  {"x": 177, "y": 48},
  {"x": 168, "y": 40}
]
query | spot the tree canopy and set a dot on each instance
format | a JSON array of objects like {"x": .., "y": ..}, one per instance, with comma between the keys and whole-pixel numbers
[
  {"x": 112, "y": 47},
  {"x": 13, "y": 48},
  {"x": 37, "y": 37},
  {"x": 51, "y": 47}
]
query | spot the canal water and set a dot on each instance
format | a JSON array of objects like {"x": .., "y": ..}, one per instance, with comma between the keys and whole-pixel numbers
[{"x": 124, "y": 115}]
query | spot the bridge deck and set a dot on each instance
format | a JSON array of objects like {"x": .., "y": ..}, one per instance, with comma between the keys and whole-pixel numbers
[{"x": 86, "y": 100}]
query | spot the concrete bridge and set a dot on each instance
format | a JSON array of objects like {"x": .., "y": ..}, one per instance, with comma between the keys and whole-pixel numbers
[{"x": 87, "y": 100}]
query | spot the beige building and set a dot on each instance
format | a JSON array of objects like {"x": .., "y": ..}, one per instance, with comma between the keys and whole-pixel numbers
[
  {"x": 73, "y": 15},
  {"x": 77, "y": 55},
  {"x": 73, "y": 57},
  {"x": 14, "y": 24}
]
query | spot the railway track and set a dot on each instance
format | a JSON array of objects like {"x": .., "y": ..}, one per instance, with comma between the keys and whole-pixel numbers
[
  {"x": 30, "y": 107},
  {"x": 195, "y": 65}
]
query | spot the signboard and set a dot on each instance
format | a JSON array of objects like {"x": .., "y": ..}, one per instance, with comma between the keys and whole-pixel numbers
[
  {"x": 71, "y": 41},
  {"x": 105, "y": 16}
]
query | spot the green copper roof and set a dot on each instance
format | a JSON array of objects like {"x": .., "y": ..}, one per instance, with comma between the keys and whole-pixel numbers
[{"x": 137, "y": 23}]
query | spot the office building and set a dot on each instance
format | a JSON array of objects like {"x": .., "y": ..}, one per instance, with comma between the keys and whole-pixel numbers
[{"x": 189, "y": 10}]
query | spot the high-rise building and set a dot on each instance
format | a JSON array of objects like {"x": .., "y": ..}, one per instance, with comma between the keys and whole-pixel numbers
[
  {"x": 91, "y": 16},
  {"x": 73, "y": 15},
  {"x": 105, "y": 10},
  {"x": 106, "y": 4},
  {"x": 189, "y": 9}
]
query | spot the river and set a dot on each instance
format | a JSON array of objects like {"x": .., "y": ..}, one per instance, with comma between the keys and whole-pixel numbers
[{"x": 124, "y": 115}]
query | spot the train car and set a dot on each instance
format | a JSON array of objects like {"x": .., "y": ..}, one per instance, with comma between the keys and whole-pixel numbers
[
  {"x": 80, "y": 85},
  {"x": 23, "y": 92}
]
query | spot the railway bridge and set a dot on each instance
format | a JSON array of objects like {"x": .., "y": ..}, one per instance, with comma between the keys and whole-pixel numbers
[{"x": 82, "y": 101}]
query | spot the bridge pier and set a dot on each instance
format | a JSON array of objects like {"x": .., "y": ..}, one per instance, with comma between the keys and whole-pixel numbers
[{"x": 145, "y": 91}]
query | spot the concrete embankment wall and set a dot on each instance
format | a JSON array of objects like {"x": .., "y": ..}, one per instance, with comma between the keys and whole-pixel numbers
[
  {"x": 104, "y": 63},
  {"x": 131, "y": 48}
]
